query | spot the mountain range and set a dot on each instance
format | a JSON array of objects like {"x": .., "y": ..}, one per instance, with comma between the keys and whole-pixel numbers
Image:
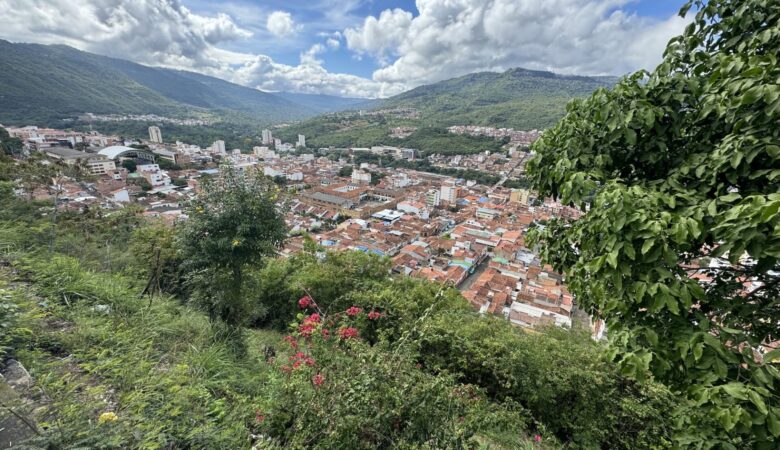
[
  {"x": 47, "y": 83},
  {"x": 44, "y": 84}
]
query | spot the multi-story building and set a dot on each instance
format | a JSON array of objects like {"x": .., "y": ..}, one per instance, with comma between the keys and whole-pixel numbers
[
  {"x": 155, "y": 135},
  {"x": 361, "y": 177},
  {"x": 433, "y": 198},
  {"x": 450, "y": 193},
  {"x": 301, "y": 141},
  {"x": 268, "y": 138},
  {"x": 218, "y": 147}
]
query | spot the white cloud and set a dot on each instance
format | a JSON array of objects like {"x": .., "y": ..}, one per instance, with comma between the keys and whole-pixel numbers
[
  {"x": 333, "y": 43},
  {"x": 309, "y": 77},
  {"x": 281, "y": 23},
  {"x": 380, "y": 37},
  {"x": 159, "y": 32},
  {"x": 454, "y": 37}
]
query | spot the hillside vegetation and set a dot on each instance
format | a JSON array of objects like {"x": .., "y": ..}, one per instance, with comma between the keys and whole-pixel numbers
[
  {"x": 326, "y": 352},
  {"x": 518, "y": 98},
  {"x": 73, "y": 82}
]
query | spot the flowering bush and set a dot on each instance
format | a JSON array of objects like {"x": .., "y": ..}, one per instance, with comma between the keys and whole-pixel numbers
[{"x": 345, "y": 393}]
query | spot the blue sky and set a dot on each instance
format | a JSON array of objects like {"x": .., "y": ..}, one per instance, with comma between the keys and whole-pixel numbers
[{"x": 367, "y": 48}]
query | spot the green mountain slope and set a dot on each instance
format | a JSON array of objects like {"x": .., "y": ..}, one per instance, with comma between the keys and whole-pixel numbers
[
  {"x": 41, "y": 83},
  {"x": 326, "y": 103},
  {"x": 518, "y": 98}
]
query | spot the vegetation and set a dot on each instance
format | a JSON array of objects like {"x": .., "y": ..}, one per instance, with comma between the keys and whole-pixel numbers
[
  {"x": 78, "y": 82},
  {"x": 234, "y": 224},
  {"x": 518, "y": 98},
  {"x": 681, "y": 167},
  {"x": 371, "y": 361}
]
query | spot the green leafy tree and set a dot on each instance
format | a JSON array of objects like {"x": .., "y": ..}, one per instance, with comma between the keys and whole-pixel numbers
[
  {"x": 10, "y": 145},
  {"x": 679, "y": 249},
  {"x": 233, "y": 224},
  {"x": 345, "y": 171}
]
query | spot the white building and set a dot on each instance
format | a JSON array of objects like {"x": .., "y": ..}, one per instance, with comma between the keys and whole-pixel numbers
[
  {"x": 359, "y": 176},
  {"x": 218, "y": 147},
  {"x": 268, "y": 138},
  {"x": 450, "y": 193},
  {"x": 301, "y": 141},
  {"x": 101, "y": 166},
  {"x": 433, "y": 197},
  {"x": 154, "y": 175},
  {"x": 155, "y": 135}
]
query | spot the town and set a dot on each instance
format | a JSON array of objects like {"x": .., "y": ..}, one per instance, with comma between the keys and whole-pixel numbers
[{"x": 442, "y": 228}]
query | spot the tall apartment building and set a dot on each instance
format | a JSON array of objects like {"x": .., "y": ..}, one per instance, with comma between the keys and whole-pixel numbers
[
  {"x": 301, "y": 141},
  {"x": 433, "y": 198},
  {"x": 268, "y": 138},
  {"x": 450, "y": 193},
  {"x": 218, "y": 147},
  {"x": 155, "y": 135}
]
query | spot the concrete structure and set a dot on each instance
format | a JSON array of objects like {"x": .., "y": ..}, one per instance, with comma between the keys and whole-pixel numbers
[
  {"x": 268, "y": 137},
  {"x": 301, "y": 141},
  {"x": 450, "y": 193},
  {"x": 218, "y": 147},
  {"x": 120, "y": 151},
  {"x": 433, "y": 198},
  {"x": 361, "y": 177},
  {"x": 101, "y": 166},
  {"x": 155, "y": 135}
]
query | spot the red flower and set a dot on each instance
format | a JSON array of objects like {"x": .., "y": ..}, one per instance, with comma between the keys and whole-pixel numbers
[
  {"x": 348, "y": 333},
  {"x": 373, "y": 315},
  {"x": 304, "y": 302},
  {"x": 314, "y": 318},
  {"x": 306, "y": 329},
  {"x": 318, "y": 379},
  {"x": 292, "y": 341},
  {"x": 286, "y": 369},
  {"x": 325, "y": 333},
  {"x": 309, "y": 361},
  {"x": 259, "y": 416},
  {"x": 296, "y": 364},
  {"x": 538, "y": 438},
  {"x": 354, "y": 311}
]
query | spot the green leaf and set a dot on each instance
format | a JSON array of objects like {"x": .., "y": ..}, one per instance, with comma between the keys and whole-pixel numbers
[
  {"x": 647, "y": 246},
  {"x": 757, "y": 401}
]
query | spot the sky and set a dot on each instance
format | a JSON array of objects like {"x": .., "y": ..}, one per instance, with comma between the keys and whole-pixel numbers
[{"x": 355, "y": 48}]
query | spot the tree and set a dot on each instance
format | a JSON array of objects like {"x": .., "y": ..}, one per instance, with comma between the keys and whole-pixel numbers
[
  {"x": 345, "y": 171},
  {"x": 233, "y": 224},
  {"x": 679, "y": 249},
  {"x": 130, "y": 165},
  {"x": 11, "y": 146}
]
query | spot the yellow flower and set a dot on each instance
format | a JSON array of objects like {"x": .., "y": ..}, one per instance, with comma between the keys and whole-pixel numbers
[
  {"x": 236, "y": 242},
  {"x": 199, "y": 209},
  {"x": 107, "y": 417}
]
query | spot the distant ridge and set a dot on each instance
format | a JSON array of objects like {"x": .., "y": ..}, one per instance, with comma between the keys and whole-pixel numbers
[
  {"x": 48, "y": 83},
  {"x": 518, "y": 98}
]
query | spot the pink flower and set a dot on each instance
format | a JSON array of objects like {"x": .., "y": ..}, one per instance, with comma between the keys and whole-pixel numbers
[
  {"x": 304, "y": 302},
  {"x": 314, "y": 318},
  {"x": 296, "y": 364},
  {"x": 373, "y": 315},
  {"x": 538, "y": 438},
  {"x": 354, "y": 311},
  {"x": 292, "y": 341},
  {"x": 286, "y": 369},
  {"x": 259, "y": 416},
  {"x": 348, "y": 333},
  {"x": 325, "y": 333},
  {"x": 309, "y": 361},
  {"x": 306, "y": 329},
  {"x": 318, "y": 379}
]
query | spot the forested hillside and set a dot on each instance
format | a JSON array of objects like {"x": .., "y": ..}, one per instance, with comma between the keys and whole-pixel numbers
[{"x": 43, "y": 84}]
